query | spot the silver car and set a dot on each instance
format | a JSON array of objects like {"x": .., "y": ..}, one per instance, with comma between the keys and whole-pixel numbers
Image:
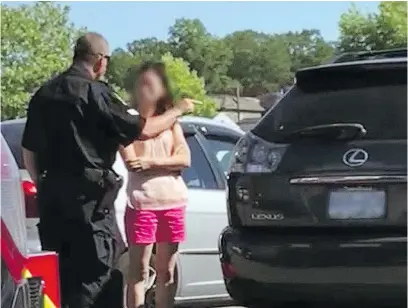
[{"x": 199, "y": 277}]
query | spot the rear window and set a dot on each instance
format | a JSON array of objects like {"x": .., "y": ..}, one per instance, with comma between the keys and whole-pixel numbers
[
  {"x": 378, "y": 103},
  {"x": 13, "y": 133}
]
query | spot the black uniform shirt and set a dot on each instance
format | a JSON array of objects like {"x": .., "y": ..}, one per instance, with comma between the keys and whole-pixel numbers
[{"x": 72, "y": 121}]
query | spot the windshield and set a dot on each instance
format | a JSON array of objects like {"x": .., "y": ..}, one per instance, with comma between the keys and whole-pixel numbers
[
  {"x": 13, "y": 134},
  {"x": 381, "y": 109}
]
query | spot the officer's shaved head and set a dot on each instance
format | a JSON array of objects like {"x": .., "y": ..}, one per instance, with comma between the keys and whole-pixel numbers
[{"x": 89, "y": 46}]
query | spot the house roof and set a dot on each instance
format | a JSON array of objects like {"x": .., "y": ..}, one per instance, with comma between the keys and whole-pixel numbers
[{"x": 229, "y": 102}]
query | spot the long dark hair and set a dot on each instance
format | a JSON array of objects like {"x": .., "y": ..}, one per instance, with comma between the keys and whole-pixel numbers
[{"x": 166, "y": 102}]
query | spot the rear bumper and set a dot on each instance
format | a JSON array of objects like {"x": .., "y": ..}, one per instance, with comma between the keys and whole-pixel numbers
[{"x": 272, "y": 268}]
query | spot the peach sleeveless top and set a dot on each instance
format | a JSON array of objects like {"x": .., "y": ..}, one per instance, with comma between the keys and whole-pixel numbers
[{"x": 156, "y": 189}]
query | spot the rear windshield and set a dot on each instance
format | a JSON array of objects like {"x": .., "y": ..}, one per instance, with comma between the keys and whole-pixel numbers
[
  {"x": 13, "y": 134},
  {"x": 246, "y": 126},
  {"x": 379, "y": 105}
]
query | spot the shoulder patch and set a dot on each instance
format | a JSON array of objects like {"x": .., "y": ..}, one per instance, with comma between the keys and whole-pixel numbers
[
  {"x": 133, "y": 112},
  {"x": 118, "y": 98}
]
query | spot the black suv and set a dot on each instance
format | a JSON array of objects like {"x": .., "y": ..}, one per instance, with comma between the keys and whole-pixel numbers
[{"x": 317, "y": 191}]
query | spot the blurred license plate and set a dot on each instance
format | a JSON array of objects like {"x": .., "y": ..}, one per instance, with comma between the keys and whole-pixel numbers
[{"x": 357, "y": 204}]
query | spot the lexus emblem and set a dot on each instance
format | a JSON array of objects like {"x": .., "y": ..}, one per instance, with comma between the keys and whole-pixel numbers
[
  {"x": 355, "y": 157},
  {"x": 269, "y": 216}
]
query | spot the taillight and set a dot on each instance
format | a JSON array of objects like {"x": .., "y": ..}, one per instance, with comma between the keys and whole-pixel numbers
[
  {"x": 228, "y": 270},
  {"x": 29, "y": 188},
  {"x": 12, "y": 200},
  {"x": 251, "y": 156},
  {"x": 30, "y": 194},
  {"x": 255, "y": 155},
  {"x": 239, "y": 155}
]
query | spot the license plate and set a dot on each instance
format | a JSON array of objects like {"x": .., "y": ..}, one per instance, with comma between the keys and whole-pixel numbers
[{"x": 357, "y": 204}]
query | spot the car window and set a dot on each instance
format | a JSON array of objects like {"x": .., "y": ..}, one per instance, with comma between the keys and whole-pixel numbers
[
  {"x": 13, "y": 133},
  {"x": 200, "y": 174},
  {"x": 222, "y": 149},
  {"x": 379, "y": 102}
]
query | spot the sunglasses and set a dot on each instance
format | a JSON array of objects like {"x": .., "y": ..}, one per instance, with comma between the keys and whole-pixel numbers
[{"x": 104, "y": 56}]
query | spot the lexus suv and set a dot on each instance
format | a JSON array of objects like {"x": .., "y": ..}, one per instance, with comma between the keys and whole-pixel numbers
[{"x": 317, "y": 191}]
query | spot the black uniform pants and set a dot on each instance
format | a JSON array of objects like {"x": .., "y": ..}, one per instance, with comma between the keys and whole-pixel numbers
[{"x": 86, "y": 243}]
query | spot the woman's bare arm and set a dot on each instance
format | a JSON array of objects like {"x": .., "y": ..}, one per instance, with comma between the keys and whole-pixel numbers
[
  {"x": 30, "y": 163},
  {"x": 128, "y": 154},
  {"x": 181, "y": 157}
]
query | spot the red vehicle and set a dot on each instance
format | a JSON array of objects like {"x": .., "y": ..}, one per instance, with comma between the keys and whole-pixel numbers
[{"x": 28, "y": 280}]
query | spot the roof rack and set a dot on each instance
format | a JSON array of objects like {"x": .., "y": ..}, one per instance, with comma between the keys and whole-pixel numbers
[{"x": 370, "y": 55}]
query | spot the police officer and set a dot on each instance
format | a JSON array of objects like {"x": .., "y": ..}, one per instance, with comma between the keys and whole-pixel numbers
[{"x": 69, "y": 144}]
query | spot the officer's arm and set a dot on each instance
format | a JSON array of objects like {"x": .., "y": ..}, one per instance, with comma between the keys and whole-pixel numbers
[
  {"x": 126, "y": 118},
  {"x": 155, "y": 125},
  {"x": 33, "y": 137},
  {"x": 125, "y": 122},
  {"x": 30, "y": 163}
]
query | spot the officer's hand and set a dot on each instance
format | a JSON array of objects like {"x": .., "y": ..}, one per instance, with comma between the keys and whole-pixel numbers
[{"x": 186, "y": 105}]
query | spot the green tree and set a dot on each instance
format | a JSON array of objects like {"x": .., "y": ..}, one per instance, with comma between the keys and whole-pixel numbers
[
  {"x": 36, "y": 44},
  {"x": 149, "y": 48},
  {"x": 375, "y": 31},
  {"x": 185, "y": 82},
  {"x": 207, "y": 55},
  {"x": 261, "y": 62},
  {"x": 121, "y": 61},
  {"x": 307, "y": 48}
]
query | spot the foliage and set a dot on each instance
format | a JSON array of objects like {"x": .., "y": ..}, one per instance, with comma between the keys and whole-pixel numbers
[
  {"x": 186, "y": 83},
  {"x": 121, "y": 61},
  {"x": 393, "y": 15},
  {"x": 148, "y": 48},
  {"x": 307, "y": 48},
  {"x": 383, "y": 30},
  {"x": 36, "y": 44},
  {"x": 207, "y": 55},
  {"x": 261, "y": 63}
]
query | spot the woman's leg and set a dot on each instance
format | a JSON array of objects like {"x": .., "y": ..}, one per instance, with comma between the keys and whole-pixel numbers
[
  {"x": 166, "y": 258},
  {"x": 139, "y": 262},
  {"x": 141, "y": 226},
  {"x": 170, "y": 232}
]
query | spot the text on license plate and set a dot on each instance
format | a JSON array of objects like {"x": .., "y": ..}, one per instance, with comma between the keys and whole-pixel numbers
[{"x": 357, "y": 204}]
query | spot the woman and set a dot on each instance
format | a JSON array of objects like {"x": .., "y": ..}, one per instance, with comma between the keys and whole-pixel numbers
[{"x": 157, "y": 195}]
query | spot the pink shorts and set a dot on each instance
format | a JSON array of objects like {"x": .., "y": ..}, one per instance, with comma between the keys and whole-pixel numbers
[{"x": 155, "y": 226}]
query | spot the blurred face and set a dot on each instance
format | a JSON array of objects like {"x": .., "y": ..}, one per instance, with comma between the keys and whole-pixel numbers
[{"x": 149, "y": 88}]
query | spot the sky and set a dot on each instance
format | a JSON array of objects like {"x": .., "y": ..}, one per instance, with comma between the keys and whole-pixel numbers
[{"x": 124, "y": 22}]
